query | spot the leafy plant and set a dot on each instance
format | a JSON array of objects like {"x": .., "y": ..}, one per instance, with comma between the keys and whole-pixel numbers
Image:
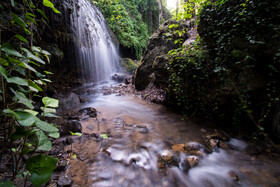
[{"x": 24, "y": 129}]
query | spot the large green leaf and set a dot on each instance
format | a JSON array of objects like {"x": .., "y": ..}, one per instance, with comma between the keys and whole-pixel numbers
[
  {"x": 41, "y": 141},
  {"x": 3, "y": 72},
  {"x": 46, "y": 126},
  {"x": 17, "y": 80},
  {"x": 41, "y": 168},
  {"x": 9, "y": 50},
  {"x": 25, "y": 118},
  {"x": 7, "y": 184},
  {"x": 49, "y": 4},
  {"x": 33, "y": 57},
  {"x": 21, "y": 98},
  {"x": 50, "y": 102}
]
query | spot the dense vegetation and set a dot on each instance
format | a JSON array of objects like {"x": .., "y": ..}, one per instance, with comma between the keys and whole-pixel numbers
[
  {"x": 24, "y": 130},
  {"x": 232, "y": 71},
  {"x": 131, "y": 21}
]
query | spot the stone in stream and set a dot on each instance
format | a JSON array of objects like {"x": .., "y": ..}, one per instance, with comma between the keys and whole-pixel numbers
[
  {"x": 71, "y": 125},
  {"x": 64, "y": 181}
]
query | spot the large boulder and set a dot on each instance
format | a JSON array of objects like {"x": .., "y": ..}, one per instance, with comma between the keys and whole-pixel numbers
[{"x": 160, "y": 43}]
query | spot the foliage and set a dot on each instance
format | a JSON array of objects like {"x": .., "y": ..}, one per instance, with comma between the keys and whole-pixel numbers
[
  {"x": 24, "y": 130},
  {"x": 237, "y": 38},
  {"x": 126, "y": 22}
]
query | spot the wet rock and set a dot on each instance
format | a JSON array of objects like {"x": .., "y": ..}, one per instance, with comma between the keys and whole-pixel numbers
[
  {"x": 64, "y": 181},
  {"x": 91, "y": 112},
  {"x": 167, "y": 156},
  {"x": 234, "y": 176},
  {"x": 52, "y": 185},
  {"x": 119, "y": 77},
  {"x": 189, "y": 146},
  {"x": 212, "y": 143},
  {"x": 68, "y": 101},
  {"x": 108, "y": 92},
  {"x": 61, "y": 165},
  {"x": 221, "y": 144},
  {"x": 193, "y": 160},
  {"x": 188, "y": 163},
  {"x": 143, "y": 129},
  {"x": 71, "y": 125},
  {"x": 83, "y": 99},
  {"x": 178, "y": 148},
  {"x": 69, "y": 140}
]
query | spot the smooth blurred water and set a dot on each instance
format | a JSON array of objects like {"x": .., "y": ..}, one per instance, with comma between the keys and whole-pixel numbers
[{"x": 96, "y": 54}]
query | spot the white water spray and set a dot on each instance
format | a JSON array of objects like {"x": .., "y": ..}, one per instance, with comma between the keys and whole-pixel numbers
[{"x": 96, "y": 55}]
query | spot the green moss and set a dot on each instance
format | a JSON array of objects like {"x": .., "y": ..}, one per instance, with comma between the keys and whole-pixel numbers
[{"x": 128, "y": 65}]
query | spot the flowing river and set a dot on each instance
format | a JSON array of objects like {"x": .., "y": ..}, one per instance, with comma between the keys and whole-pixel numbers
[{"x": 143, "y": 149}]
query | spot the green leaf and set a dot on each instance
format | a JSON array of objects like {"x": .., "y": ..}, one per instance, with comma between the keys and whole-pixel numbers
[
  {"x": 76, "y": 133},
  {"x": 104, "y": 136},
  {"x": 48, "y": 73},
  {"x": 21, "y": 98},
  {"x": 51, "y": 115},
  {"x": 34, "y": 85},
  {"x": 46, "y": 126},
  {"x": 42, "y": 13},
  {"x": 49, "y": 4},
  {"x": 41, "y": 168},
  {"x": 3, "y": 72},
  {"x": 10, "y": 113},
  {"x": 22, "y": 132},
  {"x": 50, "y": 102},
  {"x": 54, "y": 134},
  {"x": 9, "y": 50},
  {"x": 7, "y": 184},
  {"x": 13, "y": 3},
  {"x": 21, "y": 38},
  {"x": 25, "y": 118},
  {"x": 25, "y": 65},
  {"x": 17, "y": 80},
  {"x": 33, "y": 57},
  {"x": 18, "y": 20},
  {"x": 48, "y": 110},
  {"x": 41, "y": 141},
  {"x": 34, "y": 113}
]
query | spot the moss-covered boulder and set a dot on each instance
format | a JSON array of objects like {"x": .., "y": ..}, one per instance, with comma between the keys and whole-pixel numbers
[{"x": 128, "y": 65}]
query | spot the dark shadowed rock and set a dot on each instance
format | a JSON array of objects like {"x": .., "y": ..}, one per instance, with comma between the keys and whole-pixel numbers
[{"x": 71, "y": 125}]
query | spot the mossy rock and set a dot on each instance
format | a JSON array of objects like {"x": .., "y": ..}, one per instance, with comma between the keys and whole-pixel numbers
[{"x": 128, "y": 65}]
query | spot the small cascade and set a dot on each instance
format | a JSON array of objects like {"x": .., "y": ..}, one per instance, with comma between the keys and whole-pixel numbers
[{"x": 96, "y": 55}]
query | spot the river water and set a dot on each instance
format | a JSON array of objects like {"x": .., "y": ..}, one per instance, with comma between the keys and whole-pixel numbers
[{"x": 141, "y": 133}]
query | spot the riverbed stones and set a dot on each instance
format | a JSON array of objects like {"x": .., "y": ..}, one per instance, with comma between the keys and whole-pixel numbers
[{"x": 178, "y": 148}]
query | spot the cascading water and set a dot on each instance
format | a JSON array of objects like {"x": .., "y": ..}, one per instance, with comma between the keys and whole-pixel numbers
[{"x": 96, "y": 55}]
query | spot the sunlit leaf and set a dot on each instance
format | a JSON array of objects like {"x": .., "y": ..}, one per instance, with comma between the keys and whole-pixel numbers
[
  {"x": 25, "y": 118},
  {"x": 75, "y": 133},
  {"x": 33, "y": 57},
  {"x": 49, "y": 4},
  {"x": 17, "y": 80},
  {"x": 50, "y": 102},
  {"x": 45, "y": 126}
]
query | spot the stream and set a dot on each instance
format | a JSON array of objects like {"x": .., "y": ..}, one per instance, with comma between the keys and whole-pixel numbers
[{"x": 148, "y": 145}]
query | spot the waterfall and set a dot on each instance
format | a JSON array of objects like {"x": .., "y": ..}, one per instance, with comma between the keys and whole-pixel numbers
[{"x": 96, "y": 55}]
